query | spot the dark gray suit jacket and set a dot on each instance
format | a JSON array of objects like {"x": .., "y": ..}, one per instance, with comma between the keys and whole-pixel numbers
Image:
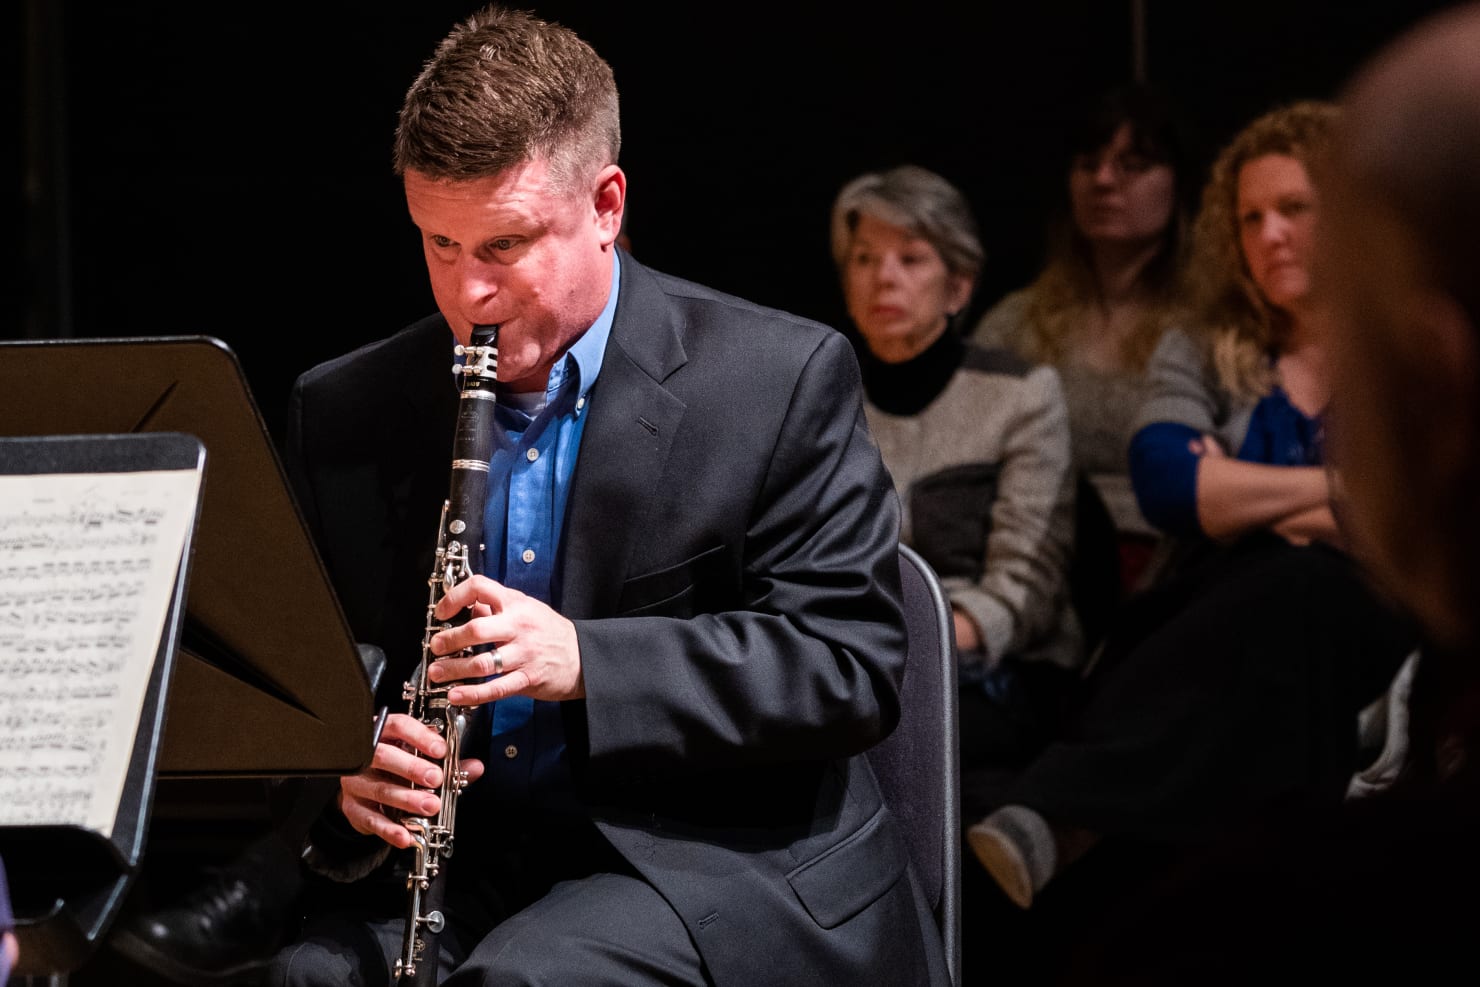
[{"x": 730, "y": 563}]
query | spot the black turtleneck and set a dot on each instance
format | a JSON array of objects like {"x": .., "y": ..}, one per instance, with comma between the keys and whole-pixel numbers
[{"x": 906, "y": 388}]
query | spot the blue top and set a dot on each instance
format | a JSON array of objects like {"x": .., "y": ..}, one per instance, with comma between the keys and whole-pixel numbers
[
  {"x": 1164, "y": 467},
  {"x": 529, "y": 481}
]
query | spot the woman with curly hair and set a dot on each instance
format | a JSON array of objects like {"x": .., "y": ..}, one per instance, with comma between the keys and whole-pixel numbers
[
  {"x": 1230, "y": 690},
  {"x": 1230, "y": 439},
  {"x": 1111, "y": 285}
]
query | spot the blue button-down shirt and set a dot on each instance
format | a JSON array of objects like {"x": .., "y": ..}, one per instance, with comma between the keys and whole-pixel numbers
[{"x": 529, "y": 481}]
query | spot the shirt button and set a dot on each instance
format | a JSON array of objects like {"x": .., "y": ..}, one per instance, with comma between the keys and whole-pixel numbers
[
  {"x": 511, "y": 752},
  {"x": 528, "y": 555},
  {"x": 532, "y": 455},
  {"x": 580, "y": 403}
]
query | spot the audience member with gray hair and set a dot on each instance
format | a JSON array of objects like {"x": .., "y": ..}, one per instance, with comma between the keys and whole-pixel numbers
[{"x": 977, "y": 442}]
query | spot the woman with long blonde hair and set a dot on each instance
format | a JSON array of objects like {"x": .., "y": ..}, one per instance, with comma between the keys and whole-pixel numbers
[{"x": 1112, "y": 283}]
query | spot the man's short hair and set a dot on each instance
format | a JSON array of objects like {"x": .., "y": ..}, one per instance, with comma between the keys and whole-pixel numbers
[{"x": 504, "y": 88}]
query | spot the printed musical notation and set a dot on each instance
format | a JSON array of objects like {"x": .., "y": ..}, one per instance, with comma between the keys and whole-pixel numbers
[{"x": 88, "y": 563}]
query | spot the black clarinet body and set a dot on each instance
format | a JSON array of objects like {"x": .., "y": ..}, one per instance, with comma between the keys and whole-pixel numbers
[{"x": 459, "y": 556}]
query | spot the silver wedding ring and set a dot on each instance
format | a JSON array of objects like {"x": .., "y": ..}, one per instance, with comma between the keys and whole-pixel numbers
[{"x": 498, "y": 663}]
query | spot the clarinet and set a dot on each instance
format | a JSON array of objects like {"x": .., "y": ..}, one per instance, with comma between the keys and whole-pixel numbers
[{"x": 459, "y": 555}]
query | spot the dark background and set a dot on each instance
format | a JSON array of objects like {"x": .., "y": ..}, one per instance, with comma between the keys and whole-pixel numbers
[
  {"x": 223, "y": 169},
  {"x": 189, "y": 168}
]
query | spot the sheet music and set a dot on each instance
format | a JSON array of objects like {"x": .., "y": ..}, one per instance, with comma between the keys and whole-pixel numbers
[{"x": 88, "y": 563}]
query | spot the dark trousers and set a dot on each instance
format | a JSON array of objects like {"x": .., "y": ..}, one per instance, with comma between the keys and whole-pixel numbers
[
  {"x": 549, "y": 902},
  {"x": 603, "y": 929},
  {"x": 1229, "y": 690}
]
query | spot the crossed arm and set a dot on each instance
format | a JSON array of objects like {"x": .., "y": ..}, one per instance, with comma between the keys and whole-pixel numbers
[
  {"x": 1186, "y": 479},
  {"x": 1236, "y": 497}
]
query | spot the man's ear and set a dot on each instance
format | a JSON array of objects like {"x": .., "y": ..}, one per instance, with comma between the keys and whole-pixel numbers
[{"x": 609, "y": 200}]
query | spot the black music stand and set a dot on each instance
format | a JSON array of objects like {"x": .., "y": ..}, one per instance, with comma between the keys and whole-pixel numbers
[{"x": 270, "y": 682}]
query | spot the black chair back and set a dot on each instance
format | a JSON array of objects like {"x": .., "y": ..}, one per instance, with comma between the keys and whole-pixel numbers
[{"x": 918, "y": 764}]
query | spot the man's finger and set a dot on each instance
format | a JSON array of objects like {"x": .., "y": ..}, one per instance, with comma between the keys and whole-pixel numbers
[
  {"x": 470, "y": 592},
  {"x": 409, "y": 730},
  {"x": 478, "y": 693},
  {"x": 369, "y": 820},
  {"x": 474, "y": 666}
]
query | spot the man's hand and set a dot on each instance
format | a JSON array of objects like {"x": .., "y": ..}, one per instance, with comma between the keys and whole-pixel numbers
[
  {"x": 367, "y": 799},
  {"x": 536, "y": 652}
]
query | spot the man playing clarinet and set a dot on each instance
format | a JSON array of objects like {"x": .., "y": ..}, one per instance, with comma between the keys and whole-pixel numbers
[{"x": 687, "y": 629}]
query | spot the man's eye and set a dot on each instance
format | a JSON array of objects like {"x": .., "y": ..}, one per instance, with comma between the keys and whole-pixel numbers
[
  {"x": 502, "y": 243},
  {"x": 441, "y": 242}
]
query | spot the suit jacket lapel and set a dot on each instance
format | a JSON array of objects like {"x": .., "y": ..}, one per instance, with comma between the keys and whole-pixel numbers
[
  {"x": 624, "y": 446},
  {"x": 420, "y": 474}
]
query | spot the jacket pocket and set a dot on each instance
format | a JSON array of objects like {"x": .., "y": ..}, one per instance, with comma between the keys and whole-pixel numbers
[
  {"x": 845, "y": 879},
  {"x": 673, "y": 591}
]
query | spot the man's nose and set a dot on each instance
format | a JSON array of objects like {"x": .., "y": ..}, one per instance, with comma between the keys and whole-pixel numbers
[{"x": 477, "y": 280}]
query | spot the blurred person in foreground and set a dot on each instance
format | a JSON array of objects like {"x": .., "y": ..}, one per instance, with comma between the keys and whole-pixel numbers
[{"x": 1381, "y": 888}]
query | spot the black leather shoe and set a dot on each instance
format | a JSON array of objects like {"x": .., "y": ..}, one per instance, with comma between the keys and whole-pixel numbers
[{"x": 218, "y": 933}]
